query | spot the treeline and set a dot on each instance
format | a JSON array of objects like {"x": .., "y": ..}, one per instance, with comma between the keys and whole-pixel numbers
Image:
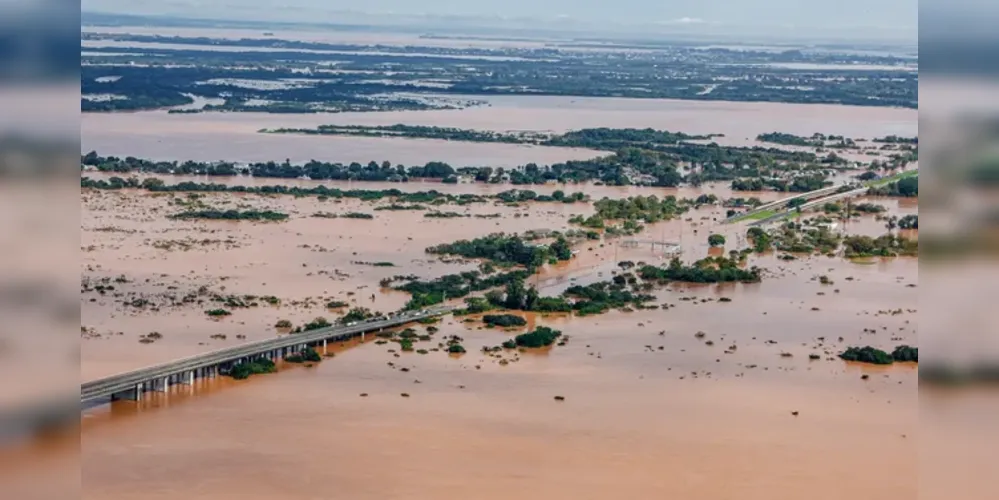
[
  {"x": 868, "y": 354},
  {"x": 607, "y": 139},
  {"x": 210, "y": 214},
  {"x": 790, "y": 139},
  {"x": 626, "y": 290},
  {"x": 411, "y": 131},
  {"x": 631, "y": 163},
  {"x": 907, "y": 187},
  {"x": 158, "y": 98},
  {"x": 887, "y": 245},
  {"x": 432, "y": 197},
  {"x": 507, "y": 249},
  {"x": 313, "y": 169},
  {"x": 453, "y": 286},
  {"x": 894, "y": 139},
  {"x": 708, "y": 270},
  {"x": 797, "y": 184}
]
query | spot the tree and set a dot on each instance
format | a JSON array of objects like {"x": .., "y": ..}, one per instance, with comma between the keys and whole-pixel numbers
[
  {"x": 716, "y": 240},
  {"x": 531, "y": 301},
  {"x": 561, "y": 249},
  {"x": 515, "y": 295},
  {"x": 797, "y": 202},
  {"x": 494, "y": 297},
  {"x": 908, "y": 186}
]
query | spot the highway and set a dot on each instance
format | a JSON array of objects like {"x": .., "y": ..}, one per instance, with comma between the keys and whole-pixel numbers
[
  {"x": 812, "y": 204},
  {"x": 782, "y": 203},
  {"x": 213, "y": 363}
]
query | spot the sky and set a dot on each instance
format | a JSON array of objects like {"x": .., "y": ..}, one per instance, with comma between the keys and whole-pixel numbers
[{"x": 892, "y": 18}]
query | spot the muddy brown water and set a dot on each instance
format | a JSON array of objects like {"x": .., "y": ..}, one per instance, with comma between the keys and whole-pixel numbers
[
  {"x": 235, "y": 137},
  {"x": 689, "y": 420},
  {"x": 650, "y": 411}
]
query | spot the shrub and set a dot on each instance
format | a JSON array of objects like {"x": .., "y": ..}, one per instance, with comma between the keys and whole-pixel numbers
[
  {"x": 283, "y": 323},
  {"x": 716, "y": 240},
  {"x": 866, "y": 354},
  {"x": 217, "y": 312},
  {"x": 307, "y": 355},
  {"x": 541, "y": 336},
  {"x": 456, "y": 349},
  {"x": 906, "y": 353},
  {"x": 504, "y": 320},
  {"x": 319, "y": 322},
  {"x": 244, "y": 370}
]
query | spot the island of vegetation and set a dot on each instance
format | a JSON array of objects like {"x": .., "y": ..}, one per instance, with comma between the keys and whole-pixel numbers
[
  {"x": 635, "y": 157},
  {"x": 542, "y": 336},
  {"x": 259, "y": 215},
  {"x": 504, "y": 320},
  {"x": 875, "y": 356}
]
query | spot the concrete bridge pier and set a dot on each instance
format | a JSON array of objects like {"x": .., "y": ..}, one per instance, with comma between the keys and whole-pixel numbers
[
  {"x": 131, "y": 394},
  {"x": 163, "y": 386}
]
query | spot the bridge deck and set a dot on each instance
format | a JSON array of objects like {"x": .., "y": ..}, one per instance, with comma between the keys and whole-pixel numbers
[{"x": 106, "y": 387}]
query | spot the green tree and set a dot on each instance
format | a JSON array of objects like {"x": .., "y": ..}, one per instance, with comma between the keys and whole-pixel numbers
[
  {"x": 797, "y": 202},
  {"x": 561, "y": 249},
  {"x": 908, "y": 186},
  {"x": 716, "y": 240},
  {"x": 515, "y": 295},
  {"x": 531, "y": 299}
]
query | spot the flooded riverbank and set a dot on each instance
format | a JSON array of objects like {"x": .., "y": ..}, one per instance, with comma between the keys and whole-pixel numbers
[{"x": 235, "y": 137}]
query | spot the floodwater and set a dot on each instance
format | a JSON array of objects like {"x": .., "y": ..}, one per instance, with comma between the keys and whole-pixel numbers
[
  {"x": 651, "y": 411},
  {"x": 235, "y": 137}
]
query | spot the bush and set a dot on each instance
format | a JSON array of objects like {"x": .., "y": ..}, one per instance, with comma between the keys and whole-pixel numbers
[
  {"x": 244, "y": 370},
  {"x": 307, "y": 355},
  {"x": 503, "y": 320},
  {"x": 217, "y": 312},
  {"x": 282, "y": 324},
  {"x": 904, "y": 353},
  {"x": 716, "y": 240},
  {"x": 456, "y": 349},
  {"x": 541, "y": 336},
  {"x": 357, "y": 314},
  {"x": 867, "y": 354},
  {"x": 319, "y": 322}
]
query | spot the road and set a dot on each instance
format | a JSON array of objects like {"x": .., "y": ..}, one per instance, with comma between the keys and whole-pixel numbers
[
  {"x": 207, "y": 364},
  {"x": 782, "y": 203}
]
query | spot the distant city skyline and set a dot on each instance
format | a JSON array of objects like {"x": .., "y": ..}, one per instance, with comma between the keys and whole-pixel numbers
[{"x": 895, "y": 20}]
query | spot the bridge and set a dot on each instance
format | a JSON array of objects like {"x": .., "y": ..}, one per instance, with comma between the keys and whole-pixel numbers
[
  {"x": 131, "y": 385},
  {"x": 818, "y": 193},
  {"x": 812, "y": 204}
]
